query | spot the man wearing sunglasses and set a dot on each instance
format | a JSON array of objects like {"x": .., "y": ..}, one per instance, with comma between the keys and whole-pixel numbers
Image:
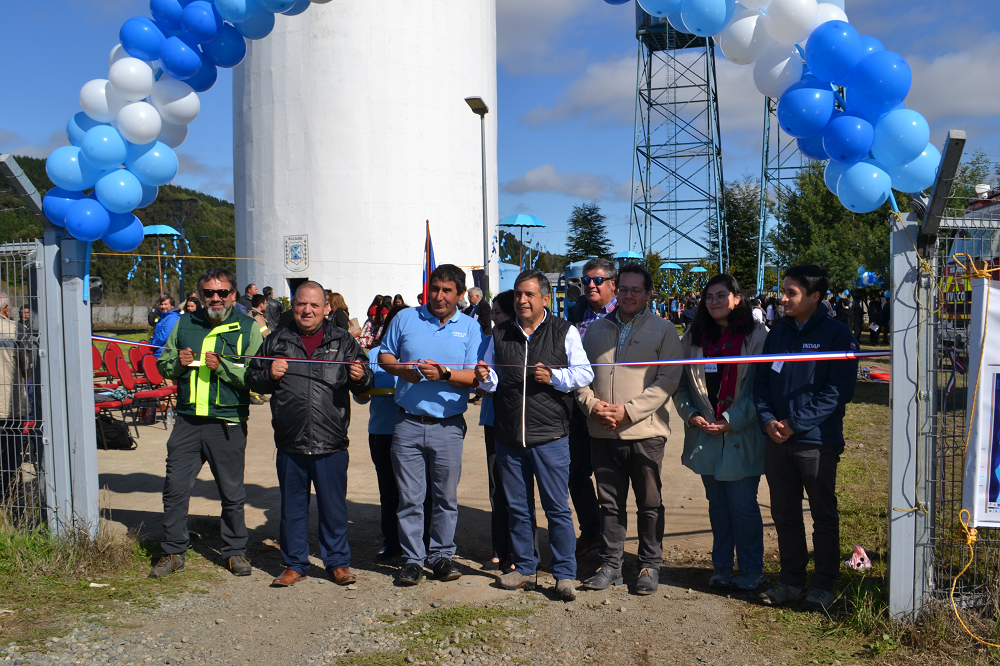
[{"x": 207, "y": 353}]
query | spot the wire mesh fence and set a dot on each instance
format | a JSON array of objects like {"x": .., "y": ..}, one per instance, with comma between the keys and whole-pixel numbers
[{"x": 22, "y": 489}]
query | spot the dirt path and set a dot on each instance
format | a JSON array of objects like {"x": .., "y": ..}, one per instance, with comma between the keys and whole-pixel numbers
[{"x": 244, "y": 621}]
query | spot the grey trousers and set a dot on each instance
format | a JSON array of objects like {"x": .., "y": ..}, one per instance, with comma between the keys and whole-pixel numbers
[
  {"x": 193, "y": 442},
  {"x": 618, "y": 462}
]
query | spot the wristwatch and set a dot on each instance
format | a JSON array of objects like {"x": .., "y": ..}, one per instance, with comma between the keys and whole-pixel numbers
[{"x": 446, "y": 374}]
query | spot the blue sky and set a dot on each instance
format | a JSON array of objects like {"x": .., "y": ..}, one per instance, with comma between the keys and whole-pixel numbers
[{"x": 566, "y": 73}]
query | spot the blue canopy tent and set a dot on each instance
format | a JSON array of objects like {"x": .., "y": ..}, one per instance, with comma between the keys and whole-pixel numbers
[
  {"x": 671, "y": 267},
  {"x": 521, "y": 221},
  {"x": 160, "y": 230}
]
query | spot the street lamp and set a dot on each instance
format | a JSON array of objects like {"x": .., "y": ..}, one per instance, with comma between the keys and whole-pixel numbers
[{"x": 479, "y": 108}]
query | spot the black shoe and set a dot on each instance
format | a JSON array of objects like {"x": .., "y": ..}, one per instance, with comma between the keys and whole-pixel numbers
[
  {"x": 239, "y": 565},
  {"x": 649, "y": 581},
  {"x": 388, "y": 552},
  {"x": 411, "y": 574},
  {"x": 167, "y": 565},
  {"x": 446, "y": 570}
]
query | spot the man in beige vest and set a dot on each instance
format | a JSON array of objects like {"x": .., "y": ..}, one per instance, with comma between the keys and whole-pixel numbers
[
  {"x": 628, "y": 421},
  {"x": 14, "y": 374}
]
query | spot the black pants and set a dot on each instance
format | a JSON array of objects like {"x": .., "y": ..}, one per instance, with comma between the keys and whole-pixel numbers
[
  {"x": 616, "y": 463},
  {"x": 380, "y": 447},
  {"x": 193, "y": 442},
  {"x": 790, "y": 468},
  {"x": 581, "y": 488}
]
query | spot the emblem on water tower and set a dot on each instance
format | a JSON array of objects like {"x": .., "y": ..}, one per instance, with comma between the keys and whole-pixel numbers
[{"x": 297, "y": 253}]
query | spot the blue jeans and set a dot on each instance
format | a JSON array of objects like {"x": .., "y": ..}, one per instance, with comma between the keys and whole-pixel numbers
[
  {"x": 549, "y": 464},
  {"x": 418, "y": 450},
  {"x": 736, "y": 522},
  {"x": 328, "y": 475}
]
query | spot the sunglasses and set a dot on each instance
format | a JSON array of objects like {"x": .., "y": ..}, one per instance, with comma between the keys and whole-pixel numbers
[
  {"x": 598, "y": 281},
  {"x": 221, "y": 293}
]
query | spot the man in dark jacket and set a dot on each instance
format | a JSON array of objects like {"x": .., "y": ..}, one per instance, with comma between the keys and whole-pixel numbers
[
  {"x": 800, "y": 407},
  {"x": 480, "y": 310},
  {"x": 310, "y": 415},
  {"x": 273, "y": 308}
]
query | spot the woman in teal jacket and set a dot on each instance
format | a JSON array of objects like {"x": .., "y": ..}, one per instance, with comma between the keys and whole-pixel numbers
[{"x": 722, "y": 440}]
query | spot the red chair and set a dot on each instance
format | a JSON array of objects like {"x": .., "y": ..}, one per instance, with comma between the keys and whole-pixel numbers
[
  {"x": 154, "y": 396},
  {"x": 99, "y": 370},
  {"x": 135, "y": 355},
  {"x": 153, "y": 374}
]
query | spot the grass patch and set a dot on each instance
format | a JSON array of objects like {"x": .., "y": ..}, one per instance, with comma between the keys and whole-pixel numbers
[{"x": 135, "y": 337}]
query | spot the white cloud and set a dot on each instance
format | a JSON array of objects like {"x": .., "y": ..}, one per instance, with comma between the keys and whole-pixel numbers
[
  {"x": 579, "y": 184},
  {"x": 528, "y": 34},
  {"x": 195, "y": 174},
  {"x": 604, "y": 93},
  {"x": 957, "y": 86},
  {"x": 14, "y": 143}
]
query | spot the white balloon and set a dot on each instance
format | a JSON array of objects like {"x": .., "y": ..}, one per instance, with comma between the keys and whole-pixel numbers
[
  {"x": 117, "y": 53},
  {"x": 172, "y": 135},
  {"x": 791, "y": 21},
  {"x": 131, "y": 78},
  {"x": 827, "y": 11},
  {"x": 100, "y": 101},
  {"x": 175, "y": 100},
  {"x": 745, "y": 38},
  {"x": 754, "y": 4},
  {"x": 776, "y": 69},
  {"x": 139, "y": 123}
]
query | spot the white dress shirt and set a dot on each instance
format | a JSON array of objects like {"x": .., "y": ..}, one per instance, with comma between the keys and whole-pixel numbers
[{"x": 578, "y": 375}]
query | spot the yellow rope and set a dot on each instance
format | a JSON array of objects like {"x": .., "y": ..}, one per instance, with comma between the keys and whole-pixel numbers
[
  {"x": 970, "y": 539},
  {"x": 315, "y": 261}
]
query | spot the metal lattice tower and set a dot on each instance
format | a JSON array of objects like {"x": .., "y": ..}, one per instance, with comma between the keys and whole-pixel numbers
[
  {"x": 677, "y": 192},
  {"x": 780, "y": 162}
]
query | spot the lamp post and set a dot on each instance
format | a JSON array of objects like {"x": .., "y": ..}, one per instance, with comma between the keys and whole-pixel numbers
[{"x": 479, "y": 108}]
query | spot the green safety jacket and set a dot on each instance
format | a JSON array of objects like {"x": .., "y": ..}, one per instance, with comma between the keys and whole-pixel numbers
[{"x": 221, "y": 393}]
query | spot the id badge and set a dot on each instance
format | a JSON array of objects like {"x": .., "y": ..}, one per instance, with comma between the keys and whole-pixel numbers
[
  {"x": 711, "y": 367},
  {"x": 777, "y": 366}
]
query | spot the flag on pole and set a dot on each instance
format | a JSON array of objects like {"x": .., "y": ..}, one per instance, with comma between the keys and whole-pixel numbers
[{"x": 429, "y": 263}]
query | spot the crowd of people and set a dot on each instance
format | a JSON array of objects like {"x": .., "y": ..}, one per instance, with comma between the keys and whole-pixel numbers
[{"x": 565, "y": 403}]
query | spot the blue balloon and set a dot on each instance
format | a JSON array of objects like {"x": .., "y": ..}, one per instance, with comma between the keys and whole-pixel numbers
[
  {"x": 87, "y": 220},
  {"x": 919, "y": 174},
  {"x": 276, "y": 6},
  {"x": 179, "y": 59},
  {"x": 833, "y": 50},
  {"x": 704, "y": 17},
  {"x": 236, "y": 11},
  {"x": 229, "y": 49},
  {"x": 119, "y": 191},
  {"x": 67, "y": 169},
  {"x": 879, "y": 83},
  {"x": 79, "y": 125},
  {"x": 56, "y": 202},
  {"x": 900, "y": 137},
  {"x": 141, "y": 38},
  {"x": 299, "y": 7},
  {"x": 848, "y": 138},
  {"x": 200, "y": 21},
  {"x": 149, "y": 193},
  {"x": 870, "y": 45},
  {"x": 617, "y": 2},
  {"x": 153, "y": 163},
  {"x": 812, "y": 147},
  {"x": 805, "y": 108},
  {"x": 205, "y": 78},
  {"x": 257, "y": 26},
  {"x": 861, "y": 270},
  {"x": 167, "y": 13},
  {"x": 832, "y": 173},
  {"x": 125, "y": 232},
  {"x": 104, "y": 147},
  {"x": 675, "y": 20},
  {"x": 661, "y": 8},
  {"x": 864, "y": 187}
]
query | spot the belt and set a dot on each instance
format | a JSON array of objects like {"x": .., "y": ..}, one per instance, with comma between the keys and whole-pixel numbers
[{"x": 426, "y": 420}]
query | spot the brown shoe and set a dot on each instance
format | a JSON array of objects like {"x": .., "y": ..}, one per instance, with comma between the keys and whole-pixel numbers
[
  {"x": 287, "y": 578},
  {"x": 342, "y": 576}
]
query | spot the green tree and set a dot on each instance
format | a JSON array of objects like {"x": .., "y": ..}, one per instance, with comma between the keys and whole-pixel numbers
[
  {"x": 742, "y": 215},
  {"x": 547, "y": 262},
  {"x": 973, "y": 171},
  {"x": 588, "y": 233}
]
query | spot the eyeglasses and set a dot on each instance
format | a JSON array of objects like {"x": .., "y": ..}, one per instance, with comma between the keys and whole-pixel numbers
[
  {"x": 598, "y": 281},
  {"x": 221, "y": 293},
  {"x": 721, "y": 298},
  {"x": 635, "y": 291}
]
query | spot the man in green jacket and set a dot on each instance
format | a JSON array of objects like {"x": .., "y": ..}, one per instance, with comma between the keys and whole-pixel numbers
[{"x": 207, "y": 354}]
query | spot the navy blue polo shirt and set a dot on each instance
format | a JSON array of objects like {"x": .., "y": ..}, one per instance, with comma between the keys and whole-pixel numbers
[{"x": 417, "y": 335}]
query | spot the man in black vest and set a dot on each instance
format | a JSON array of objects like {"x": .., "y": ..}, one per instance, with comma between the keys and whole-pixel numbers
[{"x": 533, "y": 409}]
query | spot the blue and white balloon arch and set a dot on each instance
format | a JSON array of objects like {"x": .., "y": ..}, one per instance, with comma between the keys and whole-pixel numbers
[
  {"x": 122, "y": 142},
  {"x": 803, "y": 52}
]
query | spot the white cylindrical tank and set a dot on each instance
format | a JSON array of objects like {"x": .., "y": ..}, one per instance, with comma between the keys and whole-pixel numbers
[{"x": 350, "y": 130}]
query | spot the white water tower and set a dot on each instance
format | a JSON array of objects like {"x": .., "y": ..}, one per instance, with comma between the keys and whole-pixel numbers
[{"x": 350, "y": 130}]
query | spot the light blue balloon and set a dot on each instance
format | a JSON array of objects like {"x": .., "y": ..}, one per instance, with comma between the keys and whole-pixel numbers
[
  {"x": 900, "y": 137},
  {"x": 705, "y": 17},
  {"x": 299, "y": 7},
  {"x": 276, "y": 6},
  {"x": 149, "y": 193},
  {"x": 832, "y": 173},
  {"x": 861, "y": 270},
  {"x": 67, "y": 168},
  {"x": 79, "y": 125},
  {"x": 104, "y": 147},
  {"x": 56, "y": 202},
  {"x": 662, "y": 8},
  {"x": 864, "y": 187},
  {"x": 87, "y": 220},
  {"x": 119, "y": 191},
  {"x": 236, "y": 11},
  {"x": 674, "y": 19},
  {"x": 125, "y": 232},
  {"x": 919, "y": 174},
  {"x": 257, "y": 26},
  {"x": 153, "y": 163}
]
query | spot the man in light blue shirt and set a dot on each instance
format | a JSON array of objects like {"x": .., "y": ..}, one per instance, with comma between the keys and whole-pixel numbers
[{"x": 433, "y": 349}]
